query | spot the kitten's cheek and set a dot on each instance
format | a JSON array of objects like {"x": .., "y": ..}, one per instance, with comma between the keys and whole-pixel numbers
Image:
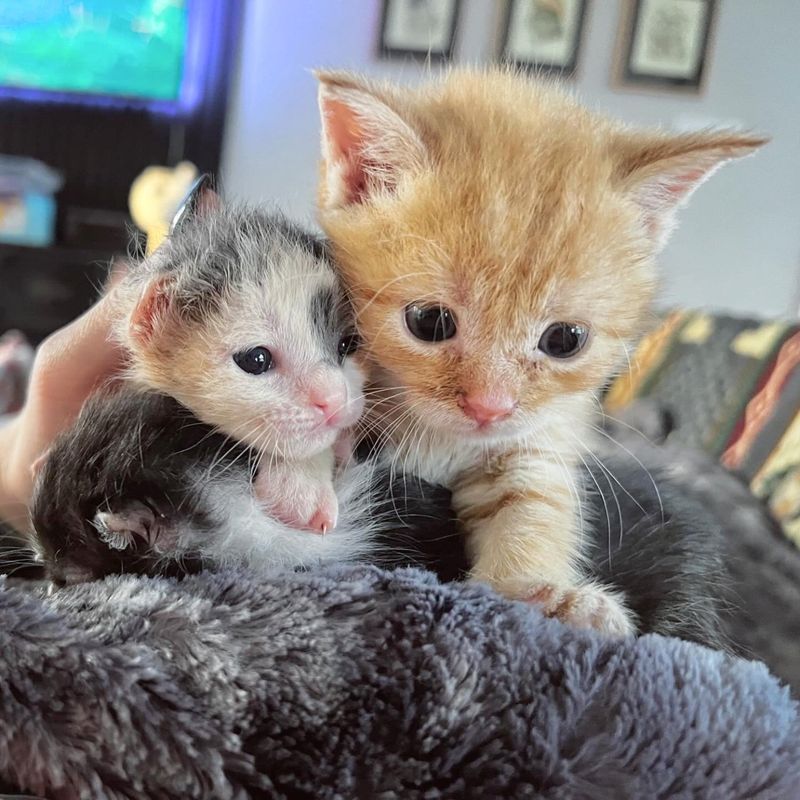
[{"x": 353, "y": 411}]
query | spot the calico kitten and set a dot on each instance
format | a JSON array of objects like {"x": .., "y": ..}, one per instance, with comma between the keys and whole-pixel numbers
[
  {"x": 239, "y": 324},
  {"x": 498, "y": 241},
  {"x": 240, "y": 317}
]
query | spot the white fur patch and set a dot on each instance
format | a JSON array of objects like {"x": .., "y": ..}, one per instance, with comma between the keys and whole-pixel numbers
[{"x": 246, "y": 535}]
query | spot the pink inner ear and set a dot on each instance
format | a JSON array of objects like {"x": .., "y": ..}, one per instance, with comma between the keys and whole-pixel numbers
[
  {"x": 679, "y": 185},
  {"x": 346, "y": 138},
  {"x": 208, "y": 202},
  {"x": 150, "y": 313},
  {"x": 345, "y": 135},
  {"x": 661, "y": 195}
]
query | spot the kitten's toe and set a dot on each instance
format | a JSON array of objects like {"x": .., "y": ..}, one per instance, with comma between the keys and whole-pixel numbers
[
  {"x": 118, "y": 529},
  {"x": 587, "y": 606},
  {"x": 326, "y": 514}
]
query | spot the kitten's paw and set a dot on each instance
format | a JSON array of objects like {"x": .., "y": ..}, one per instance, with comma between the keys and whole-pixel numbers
[
  {"x": 298, "y": 501},
  {"x": 587, "y": 606},
  {"x": 316, "y": 510},
  {"x": 119, "y": 529}
]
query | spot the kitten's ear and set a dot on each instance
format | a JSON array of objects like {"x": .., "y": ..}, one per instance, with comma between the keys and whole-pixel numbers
[
  {"x": 366, "y": 145},
  {"x": 201, "y": 199},
  {"x": 660, "y": 172},
  {"x": 154, "y": 310}
]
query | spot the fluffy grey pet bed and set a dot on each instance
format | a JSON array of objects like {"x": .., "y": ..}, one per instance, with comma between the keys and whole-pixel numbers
[{"x": 358, "y": 683}]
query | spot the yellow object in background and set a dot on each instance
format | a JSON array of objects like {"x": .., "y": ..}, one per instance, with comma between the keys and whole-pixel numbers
[{"x": 155, "y": 197}]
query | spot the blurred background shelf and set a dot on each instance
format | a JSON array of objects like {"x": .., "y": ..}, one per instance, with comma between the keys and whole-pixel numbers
[{"x": 43, "y": 288}]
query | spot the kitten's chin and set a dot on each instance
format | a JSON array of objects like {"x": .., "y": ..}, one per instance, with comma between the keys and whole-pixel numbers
[
  {"x": 311, "y": 444},
  {"x": 295, "y": 445},
  {"x": 492, "y": 434}
]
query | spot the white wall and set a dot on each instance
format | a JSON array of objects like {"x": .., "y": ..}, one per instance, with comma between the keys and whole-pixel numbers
[{"x": 738, "y": 247}]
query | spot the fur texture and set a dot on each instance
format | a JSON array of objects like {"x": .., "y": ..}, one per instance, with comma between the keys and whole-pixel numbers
[
  {"x": 349, "y": 682},
  {"x": 661, "y": 547},
  {"x": 500, "y": 199},
  {"x": 189, "y": 491},
  {"x": 214, "y": 473},
  {"x": 736, "y": 557},
  {"x": 232, "y": 278},
  {"x": 166, "y": 494}
]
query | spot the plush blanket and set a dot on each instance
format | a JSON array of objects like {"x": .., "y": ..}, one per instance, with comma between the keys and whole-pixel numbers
[{"x": 358, "y": 683}]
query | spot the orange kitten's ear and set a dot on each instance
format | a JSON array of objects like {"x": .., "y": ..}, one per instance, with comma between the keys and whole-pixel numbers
[
  {"x": 152, "y": 313},
  {"x": 661, "y": 171},
  {"x": 366, "y": 146}
]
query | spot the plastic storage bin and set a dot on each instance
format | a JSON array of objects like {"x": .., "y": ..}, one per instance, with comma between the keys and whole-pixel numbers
[{"x": 27, "y": 202}]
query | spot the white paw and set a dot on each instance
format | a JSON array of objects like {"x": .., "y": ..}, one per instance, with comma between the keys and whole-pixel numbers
[
  {"x": 302, "y": 504},
  {"x": 586, "y": 606}
]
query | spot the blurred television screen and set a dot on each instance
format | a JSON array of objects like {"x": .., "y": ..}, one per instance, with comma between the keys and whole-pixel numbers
[{"x": 132, "y": 49}]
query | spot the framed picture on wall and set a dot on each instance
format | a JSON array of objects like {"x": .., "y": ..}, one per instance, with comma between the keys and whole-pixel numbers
[
  {"x": 665, "y": 43},
  {"x": 544, "y": 34},
  {"x": 422, "y": 28}
]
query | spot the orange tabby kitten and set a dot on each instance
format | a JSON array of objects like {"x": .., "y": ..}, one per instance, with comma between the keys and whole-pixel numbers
[{"x": 498, "y": 240}]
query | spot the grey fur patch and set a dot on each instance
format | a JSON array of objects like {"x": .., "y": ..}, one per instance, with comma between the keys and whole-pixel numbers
[
  {"x": 325, "y": 314},
  {"x": 225, "y": 251}
]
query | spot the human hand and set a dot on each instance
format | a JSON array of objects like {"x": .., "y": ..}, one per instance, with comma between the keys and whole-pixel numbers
[{"x": 69, "y": 365}]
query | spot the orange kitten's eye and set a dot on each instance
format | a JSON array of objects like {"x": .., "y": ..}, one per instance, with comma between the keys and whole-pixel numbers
[
  {"x": 430, "y": 323},
  {"x": 563, "y": 339}
]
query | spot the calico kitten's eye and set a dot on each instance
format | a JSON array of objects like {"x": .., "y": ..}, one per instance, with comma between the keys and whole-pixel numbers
[
  {"x": 255, "y": 361},
  {"x": 348, "y": 344},
  {"x": 563, "y": 339},
  {"x": 430, "y": 323}
]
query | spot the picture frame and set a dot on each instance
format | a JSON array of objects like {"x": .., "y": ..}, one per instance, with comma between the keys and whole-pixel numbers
[
  {"x": 665, "y": 44},
  {"x": 419, "y": 28},
  {"x": 544, "y": 35}
]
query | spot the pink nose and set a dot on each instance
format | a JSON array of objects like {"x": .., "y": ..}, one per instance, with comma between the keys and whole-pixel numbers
[
  {"x": 328, "y": 399},
  {"x": 487, "y": 408}
]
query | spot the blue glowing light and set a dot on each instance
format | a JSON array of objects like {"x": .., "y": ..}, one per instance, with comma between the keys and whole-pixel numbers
[{"x": 156, "y": 54}]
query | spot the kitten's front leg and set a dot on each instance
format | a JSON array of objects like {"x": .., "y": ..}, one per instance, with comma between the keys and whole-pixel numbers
[
  {"x": 300, "y": 494},
  {"x": 521, "y": 519}
]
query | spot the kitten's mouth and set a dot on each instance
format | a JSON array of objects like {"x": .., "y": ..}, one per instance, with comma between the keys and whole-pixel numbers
[
  {"x": 472, "y": 431},
  {"x": 490, "y": 430}
]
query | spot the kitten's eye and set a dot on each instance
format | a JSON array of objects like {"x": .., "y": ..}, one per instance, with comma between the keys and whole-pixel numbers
[
  {"x": 255, "y": 361},
  {"x": 563, "y": 339},
  {"x": 432, "y": 323},
  {"x": 348, "y": 344}
]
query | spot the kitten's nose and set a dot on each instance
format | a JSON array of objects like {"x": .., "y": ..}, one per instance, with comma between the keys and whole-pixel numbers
[
  {"x": 329, "y": 398},
  {"x": 487, "y": 408}
]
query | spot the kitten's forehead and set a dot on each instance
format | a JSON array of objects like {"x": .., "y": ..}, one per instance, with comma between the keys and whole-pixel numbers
[
  {"x": 264, "y": 280},
  {"x": 295, "y": 308},
  {"x": 519, "y": 247}
]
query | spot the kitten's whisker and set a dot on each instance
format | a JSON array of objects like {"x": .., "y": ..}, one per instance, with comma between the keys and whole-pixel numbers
[
  {"x": 579, "y": 450},
  {"x": 638, "y": 461}
]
